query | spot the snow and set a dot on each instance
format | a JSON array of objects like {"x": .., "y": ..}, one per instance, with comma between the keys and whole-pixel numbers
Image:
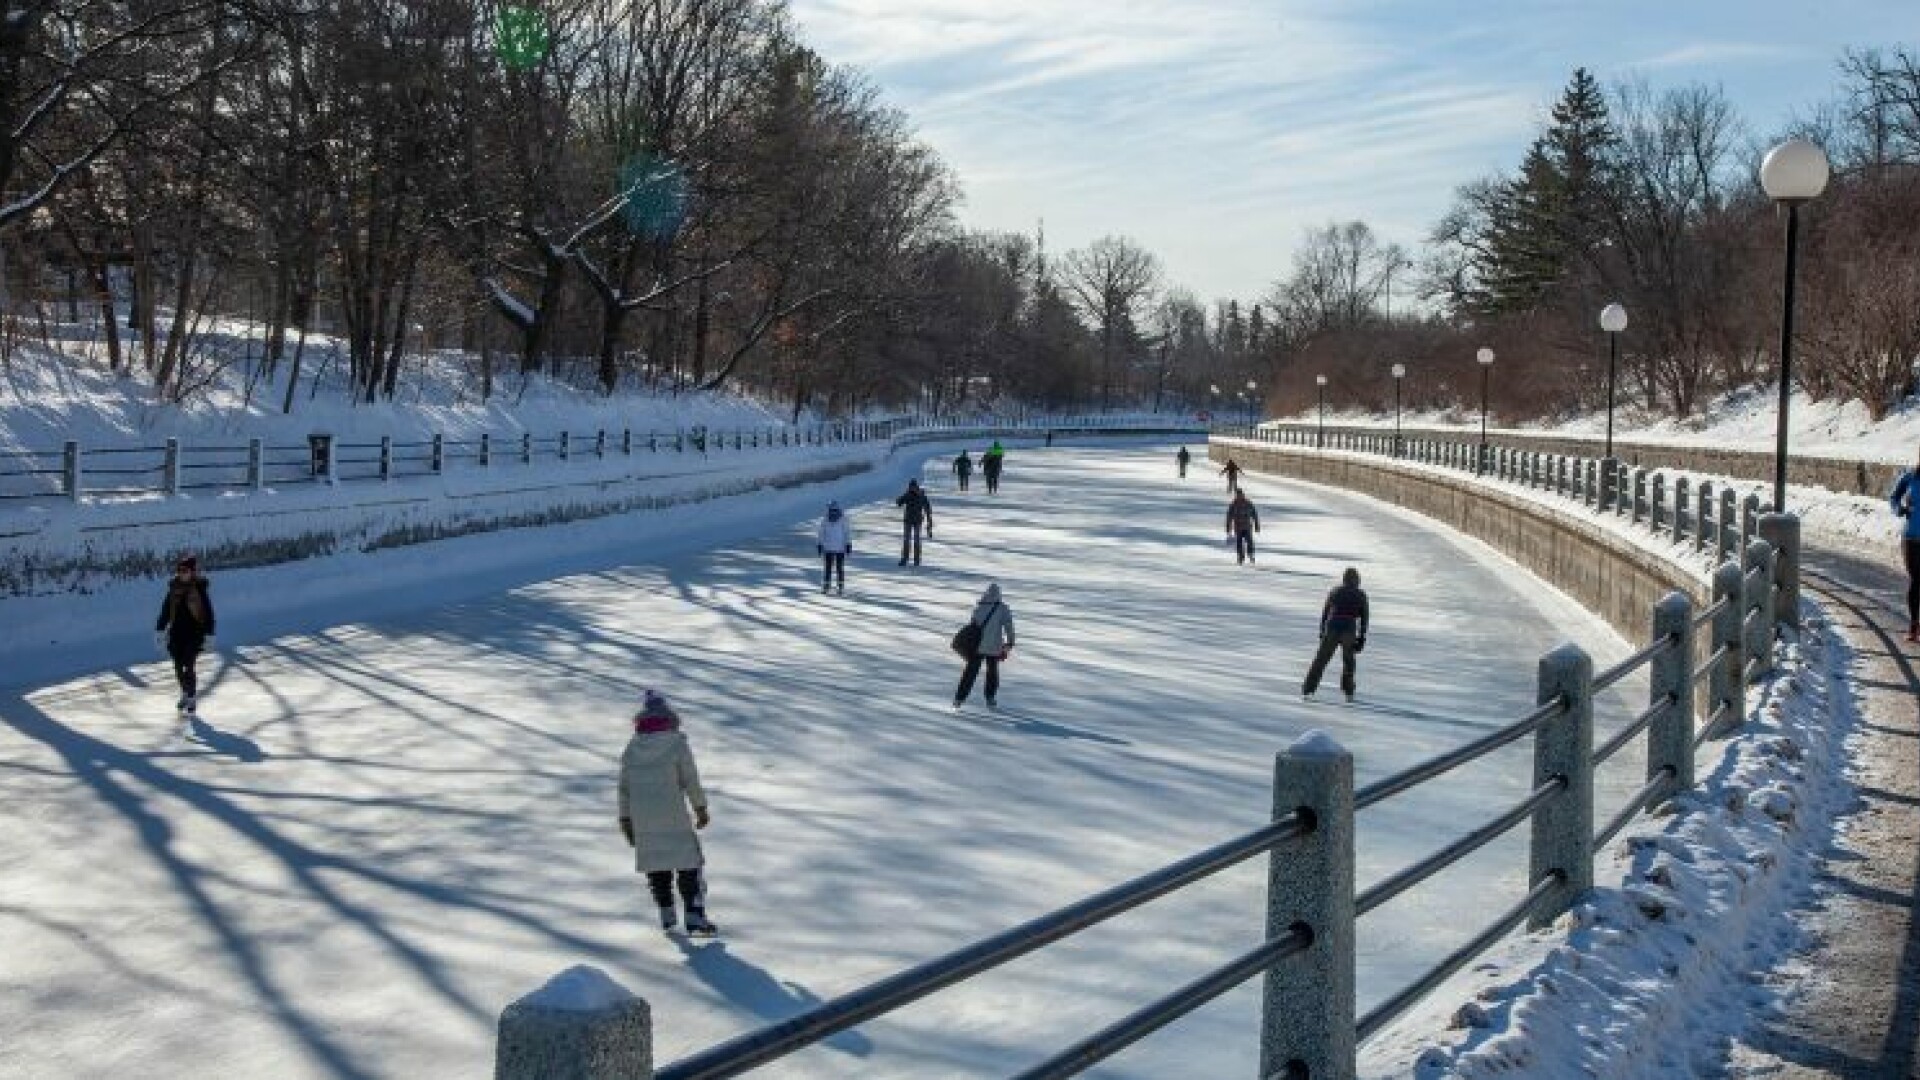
[
  {"x": 394, "y": 815},
  {"x": 580, "y": 988},
  {"x": 1316, "y": 744}
]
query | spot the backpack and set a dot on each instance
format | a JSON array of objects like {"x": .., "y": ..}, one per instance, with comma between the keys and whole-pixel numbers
[{"x": 966, "y": 640}]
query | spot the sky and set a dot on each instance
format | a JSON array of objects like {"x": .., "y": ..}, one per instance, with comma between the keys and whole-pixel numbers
[{"x": 1215, "y": 132}]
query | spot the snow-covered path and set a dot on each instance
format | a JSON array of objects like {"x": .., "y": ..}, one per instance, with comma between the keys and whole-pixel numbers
[{"x": 384, "y": 831}]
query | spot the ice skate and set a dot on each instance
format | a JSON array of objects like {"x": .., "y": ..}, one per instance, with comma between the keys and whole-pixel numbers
[
  {"x": 669, "y": 918},
  {"x": 698, "y": 925}
]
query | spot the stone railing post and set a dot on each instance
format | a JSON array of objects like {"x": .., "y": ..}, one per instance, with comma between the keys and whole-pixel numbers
[
  {"x": 600, "y": 443},
  {"x": 1749, "y": 519},
  {"x": 386, "y": 457},
  {"x": 565, "y": 442},
  {"x": 1726, "y": 530},
  {"x": 1670, "y": 735},
  {"x": 1307, "y": 1012},
  {"x": 486, "y": 449},
  {"x": 256, "y": 464},
  {"x": 1703, "y": 515},
  {"x": 1657, "y": 509},
  {"x": 70, "y": 469},
  {"x": 1757, "y": 600},
  {"x": 1726, "y": 686},
  {"x": 1637, "y": 495},
  {"x": 1562, "y": 840},
  {"x": 1682, "y": 503},
  {"x": 437, "y": 455},
  {"x": 526, "y": 448},
  {"x": 580, "y": 1026},
  {"x": 1783, "y": 532},
  {"x": 170, "y": 468}
]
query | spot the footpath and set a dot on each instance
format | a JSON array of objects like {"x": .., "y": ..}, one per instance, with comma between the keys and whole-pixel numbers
[{"x": 1851, "y": 992}]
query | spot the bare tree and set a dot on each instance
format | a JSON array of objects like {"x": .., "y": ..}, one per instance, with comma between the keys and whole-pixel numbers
[{"x": 1112, "y": 281}]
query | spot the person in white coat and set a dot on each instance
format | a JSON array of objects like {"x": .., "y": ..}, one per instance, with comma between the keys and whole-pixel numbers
[
  {"x": 995, "y": 620},
  {"x": 834, "y": 544},
  {"x": 658, "y": 782}
]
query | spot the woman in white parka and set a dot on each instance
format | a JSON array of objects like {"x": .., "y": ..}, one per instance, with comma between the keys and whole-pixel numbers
[
  {"x": 995, "y": 620},
  {"x": 658, "y": 781}
]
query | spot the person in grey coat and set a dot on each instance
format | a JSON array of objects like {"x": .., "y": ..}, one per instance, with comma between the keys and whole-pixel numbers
[
  {"x": 658, "y": 781},
  {"x": 995, "y": 620}
]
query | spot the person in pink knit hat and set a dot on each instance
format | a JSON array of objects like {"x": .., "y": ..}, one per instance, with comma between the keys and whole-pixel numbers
[{"x": 658, "y": 783}]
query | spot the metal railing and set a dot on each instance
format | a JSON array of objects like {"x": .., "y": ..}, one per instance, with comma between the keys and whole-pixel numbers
[
  {"x": 1308, "y": 954},
  {"x": 76, "y": 472}
]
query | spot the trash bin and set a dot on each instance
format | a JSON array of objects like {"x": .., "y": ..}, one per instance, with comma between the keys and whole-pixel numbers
[{"x": 322, "y": 447}]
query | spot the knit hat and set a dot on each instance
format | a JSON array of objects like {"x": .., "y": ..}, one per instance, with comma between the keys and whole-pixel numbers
[
  {"x": 1351, "y": 577},
  {"x": 655, "y": 714}
]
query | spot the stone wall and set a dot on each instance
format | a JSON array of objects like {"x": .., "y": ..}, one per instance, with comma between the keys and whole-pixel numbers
[
  {"x": 1835, "y": 474},
  {"x": 1607, "y": 573}
]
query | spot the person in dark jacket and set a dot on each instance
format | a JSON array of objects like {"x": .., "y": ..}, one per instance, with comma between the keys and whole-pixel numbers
[
  {"x": 991, "y": 462},
  {"x": 185, "y": 627},
  {"x": 963, "y": 469},
  {"x": 1343, "y": 625},
  {"x": 1183, "y": 457},
  {"x": 1242, "y": 522},
  {"x": 1905, "y": 500},
  {"x": 918, "y": 511},
  {"x": 1232, "y": 473}
]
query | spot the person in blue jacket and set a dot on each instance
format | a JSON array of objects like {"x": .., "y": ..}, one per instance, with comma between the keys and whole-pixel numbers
[{"x": 1905, "y": 501}]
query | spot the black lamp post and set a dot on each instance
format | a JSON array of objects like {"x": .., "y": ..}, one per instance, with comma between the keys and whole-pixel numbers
[
  {"x": 1399, "y": 372},
  {"x": 1613, "y": 319},
  {"x": 1253, "y": 401},
  {"x": 1485, "y": 356},
  {"x": 1792, "y": 173},
  {"x": 1320, "y": 439}
]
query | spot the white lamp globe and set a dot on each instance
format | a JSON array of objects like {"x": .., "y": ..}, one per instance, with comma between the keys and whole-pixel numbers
[
  {"x": 1613, "y": 318},
  {"x": 1399, "y": 371},
  {"x": 1485, "y": 355},
  {"x": 1794, "y": 171},
  {"x": 1320, "y": 379}
]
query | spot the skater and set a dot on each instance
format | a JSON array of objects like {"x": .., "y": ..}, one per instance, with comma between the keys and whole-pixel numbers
[
  {"x": 918, "y": 509},
  {"x": 185, "y": 627},
  {"x": 995, "y": 620},
  {"x": 1242, "y": 522},
  {"x": 658, "y": 781},
  {"x": 1905, "y": 501},
  {"x": 1232, "y": 473},
  {"x": 1183, "y": 457},
  {"x": 1343, "y": 625},
  {"x": 834, "y": 544},
  {"x": 991, "y": 463},
  {"x": 963, "y": 469},
  {"x": 1049, "y": 438}
]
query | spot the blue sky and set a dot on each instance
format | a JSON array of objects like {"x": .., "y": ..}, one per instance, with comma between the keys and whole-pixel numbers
[{"x": 1216, "y": 131}]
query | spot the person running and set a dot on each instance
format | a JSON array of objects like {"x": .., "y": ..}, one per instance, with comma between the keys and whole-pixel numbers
[
  {"x": 995, "y": 620},
  {"x": 991, "y": 463},
  {"x": 1343, "y": 625},
  {"x": 1232, "y": 473},
  {"x": 918, "y": 511},
  {"x": 963, "y": 469},
  {"x": 185, "y": 627},
  {"x": 1905, "y": 501},
  {"x": 1242, "y": 522},
  {"x": 834, "y": 543},
  {"x": 1183, "y": 457},
  {"x": 658, "y": 781}
]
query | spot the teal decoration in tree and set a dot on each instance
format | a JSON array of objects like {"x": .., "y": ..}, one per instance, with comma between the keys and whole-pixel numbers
[
  {"x": 654, "y": 194},
  {"x": 520, "y": 37}
]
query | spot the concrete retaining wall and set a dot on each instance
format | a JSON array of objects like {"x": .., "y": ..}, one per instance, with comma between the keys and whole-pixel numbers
[
  {"x": 1835, "y": 474},
  {"x": 1605, "y": 572}
]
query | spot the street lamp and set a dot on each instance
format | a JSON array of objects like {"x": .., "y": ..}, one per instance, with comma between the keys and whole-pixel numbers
[
  {"x": 1485, "y": 356},
  {"x": 1320, "y": 440},
  {"x": 1613, "y": 319},
  {"x": 1792, "y": 173},
  {"x": 1399, "y": 372},
  {"x": 1253, "y": 400}
]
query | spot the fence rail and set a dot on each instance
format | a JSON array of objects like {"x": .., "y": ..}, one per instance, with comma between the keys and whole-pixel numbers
[
  {"x": 1308, "y": 954},
  {"x": 72, "y": 473}
]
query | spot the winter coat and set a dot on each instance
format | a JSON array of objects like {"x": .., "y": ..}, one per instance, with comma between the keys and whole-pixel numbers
[
  {"x": 658, "y": 779},
  {"x": 917, "y": 505},
  {"x": 1344, "y": 611},
  {"x": 1905, "y": 501},
  {"x": 186, "y": 613},
  {"x": 836, "y": 534},
  {"x": 992, "y": 461},
  {"x": 995, "y": 619},
  {"x": 1183, "y": 456},
  {"x": 963, "y": 466},
  {"x": 1242, "y": 517}
]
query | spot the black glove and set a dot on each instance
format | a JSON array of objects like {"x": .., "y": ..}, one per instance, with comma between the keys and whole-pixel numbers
[
  {"x": 626, "y": 829},
  {"x": 1359, "y": 645}
]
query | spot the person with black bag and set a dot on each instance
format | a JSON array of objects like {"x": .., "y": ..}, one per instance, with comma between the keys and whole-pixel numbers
[{"x": 986, "y": 639}]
